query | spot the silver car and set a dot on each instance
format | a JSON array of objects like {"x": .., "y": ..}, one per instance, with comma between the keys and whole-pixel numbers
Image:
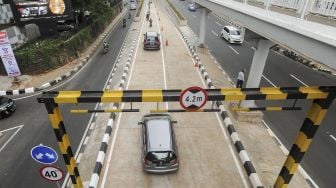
[{"x": 159, "y": 149}]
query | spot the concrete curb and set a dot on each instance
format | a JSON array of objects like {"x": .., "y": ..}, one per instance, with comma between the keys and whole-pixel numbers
[
  {"x": 66, "y": 75},
  {"x": 94, "y": 180},
  {"x": 243, "y": 156}
]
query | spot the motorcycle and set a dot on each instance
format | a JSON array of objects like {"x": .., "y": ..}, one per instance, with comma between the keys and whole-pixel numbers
[
  {"x": 105, "y": 49},
  {"x": 124, "y": 23},
  {"x": 150, "y": 22}
]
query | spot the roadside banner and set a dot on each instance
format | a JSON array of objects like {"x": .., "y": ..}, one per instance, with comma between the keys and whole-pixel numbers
[{"x": 7, "y": 56}]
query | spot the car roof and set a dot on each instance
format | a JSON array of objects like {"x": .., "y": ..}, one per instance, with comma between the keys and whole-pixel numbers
[
  {"x": 158, "y": 131},
  {"x": 231, "y": 27},
  {"x": 151, "y": 33}
]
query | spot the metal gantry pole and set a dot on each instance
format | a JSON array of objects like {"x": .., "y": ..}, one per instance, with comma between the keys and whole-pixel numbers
[
  {"x": 304, "y": 138},
  {"x": 63, "y": 141}
]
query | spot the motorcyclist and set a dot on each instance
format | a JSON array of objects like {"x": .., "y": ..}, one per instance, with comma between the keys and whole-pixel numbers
[
  {"x": 147, "y": 16},
  {"x": 106, "y": 45},
  {"x": 124, "y": 22},
  {"x": 150, "y": 22},
  {"x": 129, "y": 15}
]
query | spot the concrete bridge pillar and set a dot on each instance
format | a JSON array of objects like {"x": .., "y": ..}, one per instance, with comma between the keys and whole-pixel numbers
[
  {"x": 204, "y": 16},
  {"x": 257, "y": 67}
]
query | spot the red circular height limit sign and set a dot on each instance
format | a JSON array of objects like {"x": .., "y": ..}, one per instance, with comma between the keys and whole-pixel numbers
[{"x": 193, "y": 98}]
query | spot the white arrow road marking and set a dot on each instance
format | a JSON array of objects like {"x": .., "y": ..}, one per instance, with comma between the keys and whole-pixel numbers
[{"x": 18, "y": 129}]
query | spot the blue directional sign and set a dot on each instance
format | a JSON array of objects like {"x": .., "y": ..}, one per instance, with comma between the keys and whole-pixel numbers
[{"x": 44, "y": 154}]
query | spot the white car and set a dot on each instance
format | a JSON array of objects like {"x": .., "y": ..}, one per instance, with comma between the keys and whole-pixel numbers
[
  {"x": 231, "y": 34},
  {"x": 133, "y": 5}
]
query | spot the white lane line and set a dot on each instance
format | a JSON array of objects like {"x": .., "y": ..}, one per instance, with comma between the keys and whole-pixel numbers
[
  {"x": 286, "y": 152},
  {"x": 233, "y": 49},
  {"x": 332, "y": 137},
  {"x": 66, "y": 179},
  {"x": 10, "y": 138},
  {"x": 214, "y": 33},
  {"x": 298, "y": 80},
  {"x": 234, "y": 156},
  {"x": 219, "y": 24},
  {"x": 269, "y": 81},
  {"x": 163, "y": 61},
  {"x": 108, "y": 162}
]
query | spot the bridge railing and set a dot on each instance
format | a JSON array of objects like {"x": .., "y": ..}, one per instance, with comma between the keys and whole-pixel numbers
[
  {"x": 324, "y": 7},
  {"x": 292, "y": 4},
  {"x": 320, "y": 7}
]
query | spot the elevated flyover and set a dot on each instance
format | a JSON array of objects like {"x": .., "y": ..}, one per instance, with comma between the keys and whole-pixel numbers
[{"x": 314, "y": 40}]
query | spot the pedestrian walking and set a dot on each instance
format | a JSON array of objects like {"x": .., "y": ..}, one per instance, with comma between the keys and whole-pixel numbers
[
  {"x": 147, "y": 16},
  {"x": 240, "y": 79},
  {"x": 150, "y": 22}
]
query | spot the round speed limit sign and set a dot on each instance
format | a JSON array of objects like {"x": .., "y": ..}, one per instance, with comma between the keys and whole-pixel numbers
[
  {"x": 193, "y": 98},
  {"x": 51, "y": 173}
]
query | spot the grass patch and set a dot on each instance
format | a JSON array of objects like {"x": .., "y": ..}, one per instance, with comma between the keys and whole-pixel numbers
[
  {"x": 179, "y": 15},
  {"x": 139, "y": 9}
]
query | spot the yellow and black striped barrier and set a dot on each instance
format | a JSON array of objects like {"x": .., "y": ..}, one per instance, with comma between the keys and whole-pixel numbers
[
  {"x": 182, "y": 110},
  {"x": 322, "y": 97},
  {"x": 224, "y": 94},
  {"x": 63, "y": 142},
  {"x": 274, "y": 108},
  {"x": 82, "y": 111}
]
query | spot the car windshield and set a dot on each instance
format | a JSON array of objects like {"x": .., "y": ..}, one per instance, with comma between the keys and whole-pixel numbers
[
  {"x": 151, "y": 38},
  {"x": 234, "y": 32},
  {"x": 160, "y": 156}
]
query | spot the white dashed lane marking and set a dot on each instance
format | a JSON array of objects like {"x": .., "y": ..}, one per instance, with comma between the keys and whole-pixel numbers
[
  {"x": 298, "y": 80},
  {"x": 214, "y": 33},
  {"x": 234, "y": 49}
]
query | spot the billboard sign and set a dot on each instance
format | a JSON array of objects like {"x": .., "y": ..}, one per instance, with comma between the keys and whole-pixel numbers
[
  {"x": 38, "y": 10},
  {"x": 7, "y": 56}
]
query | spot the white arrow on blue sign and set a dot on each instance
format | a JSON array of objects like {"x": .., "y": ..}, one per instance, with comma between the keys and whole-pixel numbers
[{"x": 44, "y": 154}]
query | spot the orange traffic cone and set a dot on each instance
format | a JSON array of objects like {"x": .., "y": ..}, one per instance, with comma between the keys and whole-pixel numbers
[{"x": 166, "y": 42}]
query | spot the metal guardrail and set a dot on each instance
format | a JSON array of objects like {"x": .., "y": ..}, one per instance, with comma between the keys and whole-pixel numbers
[{"x": 320, "y": 7}]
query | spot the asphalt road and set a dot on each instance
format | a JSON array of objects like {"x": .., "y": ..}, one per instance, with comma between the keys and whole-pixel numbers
[
  {"x": 319, "y": 161},
  {"x": 17, "y": 168}
]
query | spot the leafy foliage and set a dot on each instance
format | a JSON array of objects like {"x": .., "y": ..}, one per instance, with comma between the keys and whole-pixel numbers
[{"x": 44, "y": 54}]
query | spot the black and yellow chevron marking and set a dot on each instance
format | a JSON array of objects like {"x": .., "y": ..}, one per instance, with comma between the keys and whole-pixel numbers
[
  {"x": 303, "y": 140},
  {"x": 64, "y": 144},
  {"x": 265, "y": 93},
  {"x": 182, "y": 110},
  {"x": 275, "y": 108},
  {"x": 82, "y": 111}
]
